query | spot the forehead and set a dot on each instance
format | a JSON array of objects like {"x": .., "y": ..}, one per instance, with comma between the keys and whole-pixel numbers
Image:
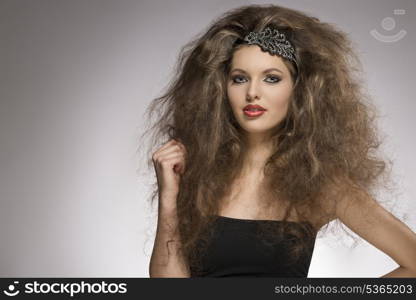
[{"x": 252, "y": 59}]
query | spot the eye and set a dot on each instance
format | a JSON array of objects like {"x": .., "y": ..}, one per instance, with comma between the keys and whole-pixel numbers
[
  {"x": 275, "y": 79},
  {"x": 236, "y": 79}
]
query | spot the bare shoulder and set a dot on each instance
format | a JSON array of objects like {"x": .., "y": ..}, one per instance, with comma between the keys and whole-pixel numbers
[{"x": 361, "y": 213}]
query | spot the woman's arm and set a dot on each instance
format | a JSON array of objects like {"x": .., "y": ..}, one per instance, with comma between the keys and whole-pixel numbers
[
  {"x": 162, "y": 264},
  {"x": 367, "y": 218}
]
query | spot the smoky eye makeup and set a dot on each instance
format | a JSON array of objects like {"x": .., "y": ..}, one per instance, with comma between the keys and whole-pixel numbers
[{"x": 238, "y": 78}]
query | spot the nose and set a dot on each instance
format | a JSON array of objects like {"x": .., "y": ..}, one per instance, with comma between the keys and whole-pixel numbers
[{"x": 252, "y": 92}]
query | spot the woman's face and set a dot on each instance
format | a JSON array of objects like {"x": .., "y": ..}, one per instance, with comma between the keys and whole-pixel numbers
[{"x": 253, "y": 79}]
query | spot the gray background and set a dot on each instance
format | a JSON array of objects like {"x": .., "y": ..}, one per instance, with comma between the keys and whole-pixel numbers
[{"x": 75, "y": 78}]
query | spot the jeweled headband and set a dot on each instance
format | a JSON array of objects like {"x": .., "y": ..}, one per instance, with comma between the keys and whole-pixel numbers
[{"x": 272, "y": 41}]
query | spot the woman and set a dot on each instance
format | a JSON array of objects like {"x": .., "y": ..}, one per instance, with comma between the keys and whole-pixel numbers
[{"x": 270, "y": 139}]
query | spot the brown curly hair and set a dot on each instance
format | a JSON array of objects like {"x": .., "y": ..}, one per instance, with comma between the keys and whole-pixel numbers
[{"x": 332, "y": 148}]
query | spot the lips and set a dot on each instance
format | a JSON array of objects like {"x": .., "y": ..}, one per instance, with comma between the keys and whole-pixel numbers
[
  {"x": 252, "y": 107},
  {"x": 253, "y": 110}
]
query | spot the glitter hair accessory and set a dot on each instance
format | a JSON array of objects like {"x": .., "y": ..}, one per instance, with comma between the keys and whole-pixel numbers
[{"x": 272, "y": 41}]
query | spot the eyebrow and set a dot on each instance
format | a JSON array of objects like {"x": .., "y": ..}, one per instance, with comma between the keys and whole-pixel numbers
[{"x": 265, "y": 71}]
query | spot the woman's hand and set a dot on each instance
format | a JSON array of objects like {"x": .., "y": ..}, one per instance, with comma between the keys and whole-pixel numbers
[{"x": 169, "y": 163}]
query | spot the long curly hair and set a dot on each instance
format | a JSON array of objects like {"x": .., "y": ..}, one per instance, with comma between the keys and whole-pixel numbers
[{"x": 326, "y": 147}]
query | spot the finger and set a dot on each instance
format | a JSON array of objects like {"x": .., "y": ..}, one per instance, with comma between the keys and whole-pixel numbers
[
  {"x": 168, "y": 150},
  {"x": 175, "y": 162},
  {"x": 164, "y": 148},
  {"x": 167, "y": 144},
  {"x": 182, "y": 146},
  {"x": 182, "y": 169},
  {"x": 171, "y": 155},
  {"x": 178, "y": 168}
]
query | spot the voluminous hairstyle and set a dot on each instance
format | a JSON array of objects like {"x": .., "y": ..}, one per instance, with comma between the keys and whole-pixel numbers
[{"x": 325, "y": 148}]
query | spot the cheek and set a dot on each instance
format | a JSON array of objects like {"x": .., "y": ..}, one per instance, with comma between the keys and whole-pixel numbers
[
  {"x": 280, "y": 103},
  {"x": 233, "y": 98}
]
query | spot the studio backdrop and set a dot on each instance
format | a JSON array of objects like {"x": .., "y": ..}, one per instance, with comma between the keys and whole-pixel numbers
[{"x": 75, "y": 80}]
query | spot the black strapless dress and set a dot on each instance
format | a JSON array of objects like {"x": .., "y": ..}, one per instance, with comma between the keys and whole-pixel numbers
[{"x": 236, "y": 251}]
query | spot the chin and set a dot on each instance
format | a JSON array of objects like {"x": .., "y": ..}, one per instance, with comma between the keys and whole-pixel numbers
[{"x": 256, "y": 130}]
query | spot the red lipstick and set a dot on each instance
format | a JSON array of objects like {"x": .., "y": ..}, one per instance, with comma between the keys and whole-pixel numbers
[{"x": 253, "y": 110}]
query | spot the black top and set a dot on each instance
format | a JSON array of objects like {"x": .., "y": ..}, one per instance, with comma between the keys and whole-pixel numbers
[{"x": 236, "y": 251}]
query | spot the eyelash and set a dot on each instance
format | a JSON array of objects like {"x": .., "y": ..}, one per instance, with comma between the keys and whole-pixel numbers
[{"x": 277, "y": 79}]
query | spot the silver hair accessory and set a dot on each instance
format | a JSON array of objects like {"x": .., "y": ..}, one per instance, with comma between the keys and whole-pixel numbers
[{"x": 273, "y": 42}]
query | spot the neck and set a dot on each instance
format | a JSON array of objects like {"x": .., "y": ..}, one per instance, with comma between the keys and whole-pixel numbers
[{"x": 259, "y": 148}]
